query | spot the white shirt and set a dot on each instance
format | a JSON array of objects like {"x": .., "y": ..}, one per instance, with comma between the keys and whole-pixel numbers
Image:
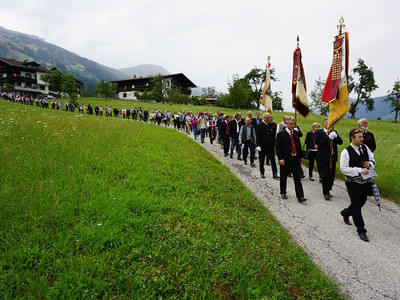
[
  {"x": 345, "y": 159},
  {"x": 237, "y": 126},
  {"x": 288, "y": 131}
]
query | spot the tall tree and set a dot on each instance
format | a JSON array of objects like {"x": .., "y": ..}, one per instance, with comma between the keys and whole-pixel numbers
[
  {"x": 105, "y": 89},
  {"x": 393, "y": 98},
  {"x": 159, "y": 90},
  {"x": 209, "y": 91},
  {"x": 316, "y": 96},
  {"x": 363, "y": 87},
  {"x": 240, "y": 93},
  {"x": 277, "y": 101},
  {"x": 70, "y": 86},
  {"x": 55, "y": 79},
  {"x": 256, "y": 79},
  {"x": 175, "y": 95}
]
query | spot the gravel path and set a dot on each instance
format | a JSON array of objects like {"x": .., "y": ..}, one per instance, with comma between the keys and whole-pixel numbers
[{"x": 363, "y": 270}]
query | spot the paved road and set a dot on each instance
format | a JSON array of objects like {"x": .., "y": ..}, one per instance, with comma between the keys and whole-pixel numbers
[{"x": 363, "y": 270}]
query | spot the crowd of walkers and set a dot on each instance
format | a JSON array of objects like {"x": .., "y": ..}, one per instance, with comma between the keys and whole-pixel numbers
[{"x": 248, "y": 137}]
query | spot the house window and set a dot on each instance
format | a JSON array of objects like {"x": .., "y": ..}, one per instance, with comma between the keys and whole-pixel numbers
[
  {"x": 41, "y": 87},
  {"x": 124, "y": 95}
]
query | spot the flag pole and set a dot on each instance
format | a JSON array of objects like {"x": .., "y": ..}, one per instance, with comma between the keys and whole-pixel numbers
[
  {"x": 266, "y": 71},
  {"x": 295, "y": 110}
]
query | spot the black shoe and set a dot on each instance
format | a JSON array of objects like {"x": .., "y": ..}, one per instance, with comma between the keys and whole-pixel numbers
[
  {"x": 275, "y": 176},
  {"x": 230, "y": 156},
  {"x": 245, "y": 162},
  {"x": 326, "y": 196},
  {"x": 268, "y": 164},
  {"x": 239, "y": 158},
  {"x": 303, "y": 176},
  {"x": 226, "y": 154},
  {"x": 363, "y": 236},
  {"x": 320, "y": 180},
  {"x": 262, "y": 176},
  {"x": 329, "y": 195},
  {"x": 283, "y": 196},
  {"x": 311, "y": 179},
  {"x": 253, "y": 165},
  {"x": 345, "y": 219},
  {"x": 301, "y": 199}
]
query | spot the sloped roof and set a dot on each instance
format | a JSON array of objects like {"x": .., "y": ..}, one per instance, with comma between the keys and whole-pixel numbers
[
  {"x": 179, "y": 76},
  {"x": 24, "y": 64}
]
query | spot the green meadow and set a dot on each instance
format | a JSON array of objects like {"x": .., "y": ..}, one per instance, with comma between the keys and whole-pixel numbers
[
  {"x": 387, "y": 135},
  {"x": 96, "y": 207}
]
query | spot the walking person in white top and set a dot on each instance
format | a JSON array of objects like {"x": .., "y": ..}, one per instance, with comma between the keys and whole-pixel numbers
[{"x": 356, "y": 163}]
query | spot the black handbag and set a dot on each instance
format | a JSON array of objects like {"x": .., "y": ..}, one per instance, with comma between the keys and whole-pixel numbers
[{"x": 305, "y": 153}]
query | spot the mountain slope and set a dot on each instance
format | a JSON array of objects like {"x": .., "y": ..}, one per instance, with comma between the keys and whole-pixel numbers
[
  {"x": 143, "y": 70},
  {"x": 22, "y": 46},
  {"x": 381, "y": 111}
]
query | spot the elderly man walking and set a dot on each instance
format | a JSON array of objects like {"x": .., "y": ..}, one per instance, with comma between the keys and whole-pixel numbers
[
  {"x": 247, "y": 138},
  {"x": 290, "y": 157}
]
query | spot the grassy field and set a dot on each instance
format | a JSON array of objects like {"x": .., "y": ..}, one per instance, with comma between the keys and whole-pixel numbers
[
  {"x": 387, "y": 135},
  {"x": 101, "y": 208}
]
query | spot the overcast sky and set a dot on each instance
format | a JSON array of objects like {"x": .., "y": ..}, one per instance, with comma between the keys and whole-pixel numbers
[{"x": 209, "y": 41}]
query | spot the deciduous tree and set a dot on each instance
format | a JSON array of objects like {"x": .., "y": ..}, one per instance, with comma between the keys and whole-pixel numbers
[
  {"x": 393, "y": 98},
  {"x": 364, "y": 84}
]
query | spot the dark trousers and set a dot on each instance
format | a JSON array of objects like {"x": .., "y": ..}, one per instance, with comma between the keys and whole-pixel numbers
[
  {"x": 202, "y": 134},
  {"x": 227, "y": 141},
  {"x": 292, "y": 166},
  {"x": 249, "y": 145},
  {"x": 311, "y": 159},
  {"x": 268, "y": 155},
  {"x": 327, "y": 175},
  {"x": 212, "y": 138},
  {"x": 358, "y": 195}
]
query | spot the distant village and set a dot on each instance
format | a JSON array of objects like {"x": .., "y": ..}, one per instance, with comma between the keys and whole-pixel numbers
[{"x": 24, "y": 78}]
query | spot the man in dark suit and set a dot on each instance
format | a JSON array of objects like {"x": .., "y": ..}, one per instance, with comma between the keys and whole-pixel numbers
[
  {"x": 327, "y": 141},
  {"x": 234, "y": 129},
  {"x": 289, "y": 153},
  {"x": 265, "y": 133},
  {"x": 368, "y": 136},
  {"x": 224, "y": 132}
]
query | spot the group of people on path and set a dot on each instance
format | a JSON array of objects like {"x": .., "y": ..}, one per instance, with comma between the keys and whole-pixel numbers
[
  {"x": 248, "y": 136},
  {"x": 263, "y": 136}
]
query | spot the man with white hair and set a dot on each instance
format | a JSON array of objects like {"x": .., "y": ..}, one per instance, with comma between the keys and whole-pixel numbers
[
  {"x": 368, "y": 136},
  {"x": 282, "y": 125},
  {"x": 290, "y": 155},
  {"x": 247, "y": 139}
]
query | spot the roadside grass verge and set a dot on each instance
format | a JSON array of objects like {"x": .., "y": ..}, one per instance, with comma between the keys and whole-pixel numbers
[{"x": 99, "y": 207}]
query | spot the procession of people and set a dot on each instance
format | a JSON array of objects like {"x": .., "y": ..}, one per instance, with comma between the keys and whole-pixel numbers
[{"x": 250, "y": 137}]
